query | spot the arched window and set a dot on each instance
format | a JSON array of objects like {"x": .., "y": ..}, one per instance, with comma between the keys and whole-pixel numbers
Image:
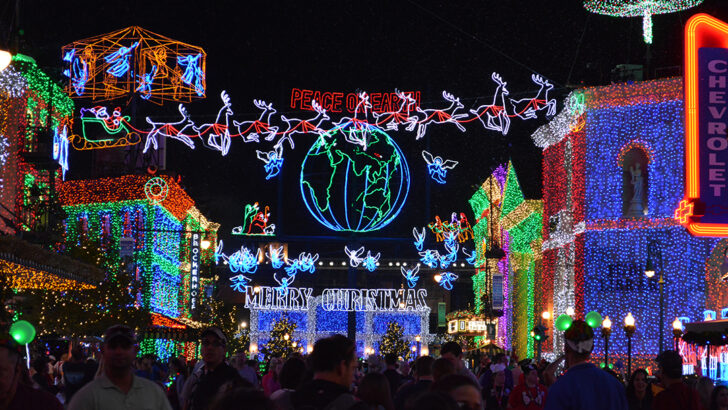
[{"x": 635, "y": 181}]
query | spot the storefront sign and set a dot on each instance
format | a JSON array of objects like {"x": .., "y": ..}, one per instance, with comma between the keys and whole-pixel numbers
[
  {"x": 342, "y": 300},
  {"x": 704, "y": 211},
  {"x": 194, "y": 270}
]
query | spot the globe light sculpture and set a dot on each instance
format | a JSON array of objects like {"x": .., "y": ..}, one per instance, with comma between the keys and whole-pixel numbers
[
  {"x": 354, "y": 178},
  {"x": 639, "y": 8}
]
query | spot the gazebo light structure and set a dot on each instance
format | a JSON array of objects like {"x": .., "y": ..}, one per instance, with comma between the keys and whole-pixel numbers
[{"x": 639, "y": 8}]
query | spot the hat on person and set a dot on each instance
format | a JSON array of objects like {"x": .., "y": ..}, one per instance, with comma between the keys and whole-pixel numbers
[
  {"x": 119, "y": 331},
  {"x": 212, "y": 330},
  {"x": 580, "y": 337},
  {"x": 527, "y": 365}
]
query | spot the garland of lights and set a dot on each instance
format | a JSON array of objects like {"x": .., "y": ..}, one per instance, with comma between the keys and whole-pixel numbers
[{"x": 639, "y": 8}]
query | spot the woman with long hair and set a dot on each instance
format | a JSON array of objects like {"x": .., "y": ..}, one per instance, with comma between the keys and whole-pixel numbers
[{"x": 639, "y": 393}]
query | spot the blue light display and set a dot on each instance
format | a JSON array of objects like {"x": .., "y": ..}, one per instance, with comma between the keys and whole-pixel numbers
[
  {"x": 419, "y": 238},
  {"x": 430, "y": 257},
  {"x": 193, "y": 74},
  {"x": 119, "y": 60},
  {"x": 438, "y": 167},
  {"x": 145, "y": 83},
  {"x": 164, "y": 289},
  {"x": 615, "y": 246},
  {"x": 166, "y": 236},
  {"x": 446, "y": 280},
  {"x": 336, "y": 321},
  {"x": 268, "y": 319},
  {"x": 239, "y": 283},
  {"x": 411, "y": 324},
  {"x": 411, "y": 275}
]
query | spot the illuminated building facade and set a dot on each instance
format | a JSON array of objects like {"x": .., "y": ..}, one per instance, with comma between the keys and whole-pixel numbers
[{"x": 613, "y": 175}]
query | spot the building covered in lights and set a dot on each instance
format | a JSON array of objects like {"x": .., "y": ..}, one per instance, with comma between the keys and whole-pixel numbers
[
  {"x": 156, "y": 225},
  {"x": 614, "y": 166},
  {"x": 507, "y": 237}
]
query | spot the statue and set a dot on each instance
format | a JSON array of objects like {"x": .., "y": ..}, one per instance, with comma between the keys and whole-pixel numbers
[{"x": 636, "y": 207}]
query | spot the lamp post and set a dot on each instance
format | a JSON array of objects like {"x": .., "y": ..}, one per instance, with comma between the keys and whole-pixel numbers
[
  {"x": 629, "y": 329},
  {"x": 677, "y": 331},
  {"x": 418, "y": 339},
  {"x": 654, "y": 255},
  {"x": 606, "y": 331}
]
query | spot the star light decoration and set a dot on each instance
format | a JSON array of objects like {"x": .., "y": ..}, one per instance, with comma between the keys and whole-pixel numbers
[{"x": 639, "y": 8}]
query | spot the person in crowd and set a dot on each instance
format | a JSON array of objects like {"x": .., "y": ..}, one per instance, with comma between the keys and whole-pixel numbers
[
  {"x": 497, "y": 396},
  {"x": 214, "y": 374},
  {"x": 177, "y": 377},
  {"x": 242, "y": 364},
  {"x": 441, "y": 368},
  {"x": 584, "y": 386},
  {"x": 148, "y": 369},
  {"x": 374, "y": 392},
  {"x": 422, "y": 382},
  {"x": 334, "y": 363},
  {"x": 454, "y": 353},
  {"x": 483, "y": 366},
  {"x": 406, "y": 370},
  {"x": 705, "y": 389},
  {"x": 118, "y": 387},
  {"x": 16, "y": 393},
  {"x": 58, "y": 369},
  {"x": 677, "y": 395},
  {"x": 42, "y": 377},
  {"x": 291, "y": 377},
  {"x": 639, "y": 393},
  {"x": 433, "y": 401},
  {"x": 463, "y": 389},
  {"x": 486, "y": 378},
  {"x": 76, "y": 372},
  {"x": 391, "y": 373},
  {"x": 270, "y": 380},
  {"x": 529, "y": 394},
  {"x": 719, "y": 398},
  {"x": 242, "y": 398}
]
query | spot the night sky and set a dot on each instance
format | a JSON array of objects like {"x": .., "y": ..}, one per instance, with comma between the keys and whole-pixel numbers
[{"x": 264, "y": 49}]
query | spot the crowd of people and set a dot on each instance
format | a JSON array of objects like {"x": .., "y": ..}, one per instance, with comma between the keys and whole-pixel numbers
[{"x": 333, "y": 377}]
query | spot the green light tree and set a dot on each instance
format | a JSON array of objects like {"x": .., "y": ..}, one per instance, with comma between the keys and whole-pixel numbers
[
  {"x": 281, "y": 343},
  {"x": 392, "y": 341}
]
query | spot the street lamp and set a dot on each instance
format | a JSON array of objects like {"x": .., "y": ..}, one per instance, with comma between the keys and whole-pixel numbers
[
  {"x": 606, "y": 331},
  {"x": 418, "y": 339},
  {"x": 677, "y": 331},
  {"x": 654, "y": 256},
  {"x": 629, "y": 329}
]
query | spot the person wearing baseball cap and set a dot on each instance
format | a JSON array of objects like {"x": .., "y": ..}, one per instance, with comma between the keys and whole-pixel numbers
[
  {"x": 584, "y": 386},
  {"x": 677, "y": 395},
  {"x": 117, "y": 387},
  {"x": 15, "y": 393},
  {"x": 203, "y": 385}
]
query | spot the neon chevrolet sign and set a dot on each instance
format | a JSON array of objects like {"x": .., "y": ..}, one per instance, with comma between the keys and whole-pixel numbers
[
  {"x": 704, "y": 209},
  {"x": 346, "y": 300}
]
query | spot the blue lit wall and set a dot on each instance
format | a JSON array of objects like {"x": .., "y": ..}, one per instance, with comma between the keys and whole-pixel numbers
[
  {"x": 614, "y": 257},
  {"x": 337, "y": 321},
  {"x": 615, "y": 282},
  {"x": 411, "y": 324},
  {"x": 660, "y": 127},
  {"x": 268, "y": 319}
]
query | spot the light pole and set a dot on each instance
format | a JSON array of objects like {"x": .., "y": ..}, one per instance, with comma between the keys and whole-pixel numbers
[
  {"x": 629, "y": 329},
  {"x": 606, "y": 331},
  {"x": 654, "y": 255},
  {"x": 677, "y": 331},
  {"x": 418, "y": 339}
]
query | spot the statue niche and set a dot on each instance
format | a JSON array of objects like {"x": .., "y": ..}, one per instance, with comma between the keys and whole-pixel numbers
[{"x": 634, "y": 183}]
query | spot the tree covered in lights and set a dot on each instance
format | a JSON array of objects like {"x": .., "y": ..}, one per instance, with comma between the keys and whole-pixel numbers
[
  {"x": 281, "y": 342},
  {"x": 227, "y": 317},
  {"x": 392, "y": 341}
]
